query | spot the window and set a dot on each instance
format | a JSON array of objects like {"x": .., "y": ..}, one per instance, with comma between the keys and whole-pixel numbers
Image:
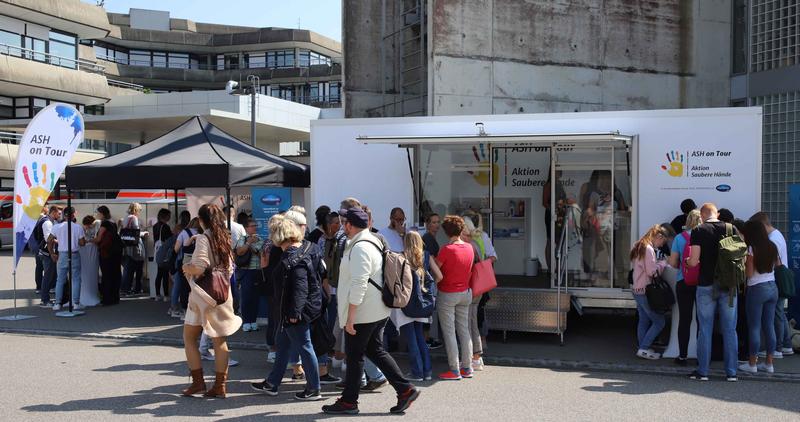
[
  {"x": 280, "y": 59},
  {"x": 38, "y": 46},
  {"x": 159, "y": 59},
  {"x": 231, "y": 61},
  {"x": 9, "y": 41},
  {"x": 220, "y": 62},
  {"x": 282, "y": 92},
  {"x": 178, "y": 60},
  {"x": 96, "y": 110},
  {"x": 64, "y": 48},
  {"x": 335, "y": 92},
  {"x": 311, "y": 58},
  {"x": 140, "y": 58},
  {"x": 739, "y": 59},
  {"x": 6, "y": 107},
  {"x": 39, "y": 104},
  {"x": 255, "y": 60}
]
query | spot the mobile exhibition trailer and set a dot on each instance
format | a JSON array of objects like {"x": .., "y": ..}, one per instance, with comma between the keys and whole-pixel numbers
[{"x": 617, "y": 173}]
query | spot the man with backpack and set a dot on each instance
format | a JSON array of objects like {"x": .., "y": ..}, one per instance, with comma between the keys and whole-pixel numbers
[
  {"x": 363, "y": 315},
  {"x": 41, "y": 232},
  {"x": 719, "y": 251}
]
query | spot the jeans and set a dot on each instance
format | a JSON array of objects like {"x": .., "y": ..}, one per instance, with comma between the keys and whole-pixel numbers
[
  {"x": 368, "y": 341},
  {"x": 293, "y": 339},
  {"x": 453, "y": 311},
  {"x": 250, "y": 295},
  {"x": 39, "y": 271},
  {"x": 132, "y": 269},
  {"x": 177, "y": 287},
  {"x": 685, "y": 298},
  {"x": 710, "y": 301},
  {"x": 650, "y": 322},
  {"x": 474, "y": 329},
  {"x": 372, "y": 371},
  {"x": 418, "y": 354},
  {"x": 760, "y": 310},
  {"x": 63, "y": 268},
  {"x": 783, "y": 334},
  {"x": 330, "y": 317},
  {"x": 48, "y": 278}
]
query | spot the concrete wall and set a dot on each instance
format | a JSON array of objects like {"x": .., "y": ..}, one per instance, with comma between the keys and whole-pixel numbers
[{"x": 529, "y": 56}]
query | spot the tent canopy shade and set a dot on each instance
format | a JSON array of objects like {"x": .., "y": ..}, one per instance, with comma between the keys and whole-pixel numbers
[{"x": 195, "y": 154}]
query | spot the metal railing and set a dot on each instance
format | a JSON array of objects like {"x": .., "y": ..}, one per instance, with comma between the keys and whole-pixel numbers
[
  {"x": 123, "y": 84},
  {"x": 10, "y": 138},
  {"x": 213, "y": 66},
  {"x": 51, "y": 59}
]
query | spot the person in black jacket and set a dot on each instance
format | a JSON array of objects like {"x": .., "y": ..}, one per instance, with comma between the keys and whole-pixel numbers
[{"x": 297, "y": 290}]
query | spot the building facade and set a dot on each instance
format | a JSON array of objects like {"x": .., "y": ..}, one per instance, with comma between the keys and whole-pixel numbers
[{"x": 766, "y": 73}]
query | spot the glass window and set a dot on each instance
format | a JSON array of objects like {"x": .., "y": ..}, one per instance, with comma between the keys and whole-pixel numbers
[
  {"x": 63, "y": 55},
  {"x": 220, "y": 62},
  {"x": 255, "y": 61},
  {"x": 6, "y": 112},
  {"x": 6, "y": 101},
  {"x": 159, "y": 59},
  {"x": 38, "y": 47},
  {"x": 280, "y": 58},
  {"x": 305, "y": 58},
  {"x": 62, "y": 37},
  {"x": 22, "y": 112},
  {"x": 22, "y": 102},
  {"x": 102, "y": 53},
  {"x": 121, "y": 57},
  {"x": 140, "y": 58},
  {"x": 10, "y": 40},
  {"x": 335, "y": 93},
  {"x": 179, "y": 60},
  {"x": 231, "y": 61}
]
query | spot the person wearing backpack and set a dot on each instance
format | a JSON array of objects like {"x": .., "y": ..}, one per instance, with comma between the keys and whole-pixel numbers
[
  {"x": 717, "y": 288},
  {"x": 762, "y": 295},
  {"x": 42, "y": 231},
  {"x": 783, "y": 333},
  {"x": 133, "y": 262},
  {"x": 161, "y": 234},
  {"x": 686, "y": 286},
  {"x": 420, "y": 307},
  {"x": 363, "y": 315},
  {"x": 645, "y": 268},
  {"x": 34, "y": 242}
]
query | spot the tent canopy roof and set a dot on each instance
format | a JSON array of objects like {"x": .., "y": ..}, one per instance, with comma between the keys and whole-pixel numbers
[{"x": 196, "y": 154}]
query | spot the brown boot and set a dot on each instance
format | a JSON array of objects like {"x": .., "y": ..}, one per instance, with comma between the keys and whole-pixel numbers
[
  {"x": 198, "y": 384},
  {"x": 218, "y": 390}
]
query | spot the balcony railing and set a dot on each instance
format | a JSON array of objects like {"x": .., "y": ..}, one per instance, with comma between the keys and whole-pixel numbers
[
  {"x": 51, "y": 59},
  {"x": 123, "y": 84},
  {"x": 10, "y": 138},
  {"x": 203, "y": 66}
]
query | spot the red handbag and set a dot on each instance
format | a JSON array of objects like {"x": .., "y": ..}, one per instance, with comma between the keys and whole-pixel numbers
[{"x": 482, "y": 279}]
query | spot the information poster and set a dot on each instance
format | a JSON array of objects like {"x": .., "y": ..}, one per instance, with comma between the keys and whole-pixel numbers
[
  {"x": 268, "y": 202},
  {"x": 794, "y": 243}
]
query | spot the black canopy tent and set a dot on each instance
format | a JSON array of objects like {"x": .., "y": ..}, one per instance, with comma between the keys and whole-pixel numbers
[{"x": 195, "y": 154}]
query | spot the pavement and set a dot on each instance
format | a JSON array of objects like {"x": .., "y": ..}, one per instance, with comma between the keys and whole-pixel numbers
[
  {"x": 600, "y": 342},
  {"x": 59, "y": 379}
]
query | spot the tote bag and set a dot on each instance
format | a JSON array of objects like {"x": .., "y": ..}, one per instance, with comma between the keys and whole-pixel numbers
[{"x": 482, "y": 279}]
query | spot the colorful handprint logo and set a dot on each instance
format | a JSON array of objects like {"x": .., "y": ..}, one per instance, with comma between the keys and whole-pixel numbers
[
  {"x": 38, "y": 191},
  {"x": 675, "y": 160},
  {"x": 482, "y": 177}
]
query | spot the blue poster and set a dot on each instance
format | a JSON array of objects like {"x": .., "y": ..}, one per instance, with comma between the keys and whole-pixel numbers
[
  {"x": 268, "y": 202},
  {"x": 794, "y": 245}
]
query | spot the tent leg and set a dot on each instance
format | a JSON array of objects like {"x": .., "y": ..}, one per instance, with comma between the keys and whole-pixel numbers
[
  {"x": 230, "y": 206},
  {"x": 176, "y": 206}
]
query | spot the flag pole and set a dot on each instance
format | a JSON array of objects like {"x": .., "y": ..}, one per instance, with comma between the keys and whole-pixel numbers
[{"x": 16, "y": 316}]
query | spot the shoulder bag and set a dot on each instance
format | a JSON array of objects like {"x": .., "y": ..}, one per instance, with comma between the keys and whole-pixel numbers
[{"x": 659, "y": 295}]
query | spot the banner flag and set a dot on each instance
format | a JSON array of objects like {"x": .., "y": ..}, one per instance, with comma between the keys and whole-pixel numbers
[{"x": 49, "y": 141}]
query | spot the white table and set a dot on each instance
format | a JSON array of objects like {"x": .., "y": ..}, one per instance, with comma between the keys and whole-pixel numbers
[{"x": 672, "y": 350}]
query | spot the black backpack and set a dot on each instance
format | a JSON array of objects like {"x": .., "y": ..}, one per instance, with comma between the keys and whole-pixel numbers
[
  {"x": 165, "y": 255},
  {"x": 39, "y": 242}
]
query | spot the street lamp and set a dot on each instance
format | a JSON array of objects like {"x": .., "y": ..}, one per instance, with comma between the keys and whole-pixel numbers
[{"x": 232, "y": 88}]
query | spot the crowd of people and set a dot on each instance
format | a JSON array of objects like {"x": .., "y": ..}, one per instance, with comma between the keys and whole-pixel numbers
[{"x": 738, "y": 298}]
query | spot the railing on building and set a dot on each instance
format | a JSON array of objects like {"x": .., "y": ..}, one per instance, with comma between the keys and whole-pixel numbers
[
  {"x": 123, "y": 84},
  {"x": 10, "y": 138},
  {"x": 51, "y": 59},
  {"x": 205, "y": 66}
]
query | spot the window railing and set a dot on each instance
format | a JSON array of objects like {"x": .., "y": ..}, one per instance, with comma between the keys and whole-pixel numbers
[
  {"x": 123, "y": 84},
  {"x": 52, "y": 59},
  {"x": 10, "y": 138},
  {"x": 204, "y": 66}
]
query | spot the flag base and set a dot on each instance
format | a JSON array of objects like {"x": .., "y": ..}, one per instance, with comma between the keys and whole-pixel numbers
[
  {"x": 68, "y": 314},
  {"x": 17, "y": 317}
]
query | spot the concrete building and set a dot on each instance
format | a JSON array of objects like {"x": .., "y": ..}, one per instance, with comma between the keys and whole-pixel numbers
[
  {"x": 448, "y": 57},
  {"x": 766, "y": 73}
]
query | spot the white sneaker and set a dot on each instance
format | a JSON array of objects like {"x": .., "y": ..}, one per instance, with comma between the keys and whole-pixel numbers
[
  {"x": 344, "y": 367},
  {"x": 166, "y": 299},
  {"x": 477, "y": 364},
  {"x": 770, "y": 369},
  {"x": 206, "y": 355},
  {"x": 57, "y": 307},
  {"x": 777, "y": 355},
  {"x": 787, "y": 351},
  {"x": 745, "y": 367},
  {"x": 245, "y": 327},
  {"x": 232, "y": 362},
  {"x": 647, "y": 354},
  {"x": 157, "y": 298},
  {"x": 78, "y": 307},
  {"x": 762, "y": 354},
  {"x": 271, "y": 357},
  {"x": 337, "y": 363}
]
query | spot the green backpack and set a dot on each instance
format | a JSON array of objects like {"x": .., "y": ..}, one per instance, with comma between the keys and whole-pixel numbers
[
  {"x": 784, "y": 278},
  {"x": 729, "y": 273}
]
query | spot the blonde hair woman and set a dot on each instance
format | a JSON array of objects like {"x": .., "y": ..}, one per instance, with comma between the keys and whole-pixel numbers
[
  {"x": 684, "y": 293},
  {"x": 425, "y": 273},
  {"x": 212, "y": 250},
  {"x": 483, "y": 250},
  {"x": 645, "y": 267},
  {"x": 298, "y": 288}
]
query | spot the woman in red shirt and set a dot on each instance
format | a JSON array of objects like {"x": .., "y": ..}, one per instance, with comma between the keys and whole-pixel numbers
[{"x": 454, "y": 297}]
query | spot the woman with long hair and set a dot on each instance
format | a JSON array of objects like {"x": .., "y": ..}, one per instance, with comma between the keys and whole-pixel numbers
[
  {"x": 212, "y": 250},
  {"x": 110, "y": 256},
  {"x": 424, "y": 272},
  {"x": 685, "y": 294},
  {"x": 484, "y": 250},
  {"x": 645, "y": 267},
  {"x": 133, "y": 260},
  {"x": 761, "y": 295}
]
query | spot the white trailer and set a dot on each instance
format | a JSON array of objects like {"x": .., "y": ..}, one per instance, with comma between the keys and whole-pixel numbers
[{"x": 617, "y": 173}]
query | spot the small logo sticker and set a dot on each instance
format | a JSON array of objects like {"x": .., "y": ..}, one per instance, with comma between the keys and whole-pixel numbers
[
  {"x": 271, "y": 199},
  {"x": 724, "y": 188}
]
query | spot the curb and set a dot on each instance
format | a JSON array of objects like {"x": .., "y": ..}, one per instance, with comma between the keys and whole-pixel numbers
[{"x": 556, "y": 364}]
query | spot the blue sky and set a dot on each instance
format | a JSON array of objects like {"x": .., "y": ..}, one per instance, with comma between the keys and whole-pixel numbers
[{"x": 321, "y": 16}]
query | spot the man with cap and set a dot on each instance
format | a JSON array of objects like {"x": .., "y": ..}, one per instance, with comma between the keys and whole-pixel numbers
[
  {"x": 59, "y": 240},
  {"x": 363, "y": 316}
]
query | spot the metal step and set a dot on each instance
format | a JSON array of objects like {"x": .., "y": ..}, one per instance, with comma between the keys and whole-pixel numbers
[{"x": 528, "y": 310}]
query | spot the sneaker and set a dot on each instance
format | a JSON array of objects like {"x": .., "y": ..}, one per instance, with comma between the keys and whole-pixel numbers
[
  {"x": 762, "y": 354},
  {"x": 777, "y": 355},
  {"x": 206, "y": 356},
  {"x": 435, "y": 344},
  {"x": 46, "y": 305},
  {"x": 681, "y": 361},
  {"x": 246, "y": 327},
  {"x": 787, "y": 351},
  {"x": 647, "y": 354},
  {"x": 428, "y": 376},
  {"x": 374, "y": 385},
  {"x": 337, "y": 363},
  {"x": 466, "y": 373},
  {"x": 344, "y": 367},
  {"x": 271, "y": 357},
  {"x": 341, "y": 385},
  {"x": 78, "y": 307},
  {"x": 745, "y": 367},
  {"x": 328, "y": 379},
  {"x": 412, "y": 377},
  {"x": 232, "y": 363},
  {"x": 57, "y": 307},
  {"x": 265, "y": 387},
  {"x": 770, "y": 369},
  {"x": 299, "y": 377},
  {"x": 253, "y": 326},
  {"x": 404, "y": 400},
  {"x": 157, "y": 298},
  {"x": 697, "y": 377},
  {"x": 450, "y": 375},
  {"x": 341, "y": 407},
  {"x": 477, "y": 364},
  {"x": 308, "y": 395},
  {"x": 166, "y": 299},
  {"x": 731, "y": 378}
]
